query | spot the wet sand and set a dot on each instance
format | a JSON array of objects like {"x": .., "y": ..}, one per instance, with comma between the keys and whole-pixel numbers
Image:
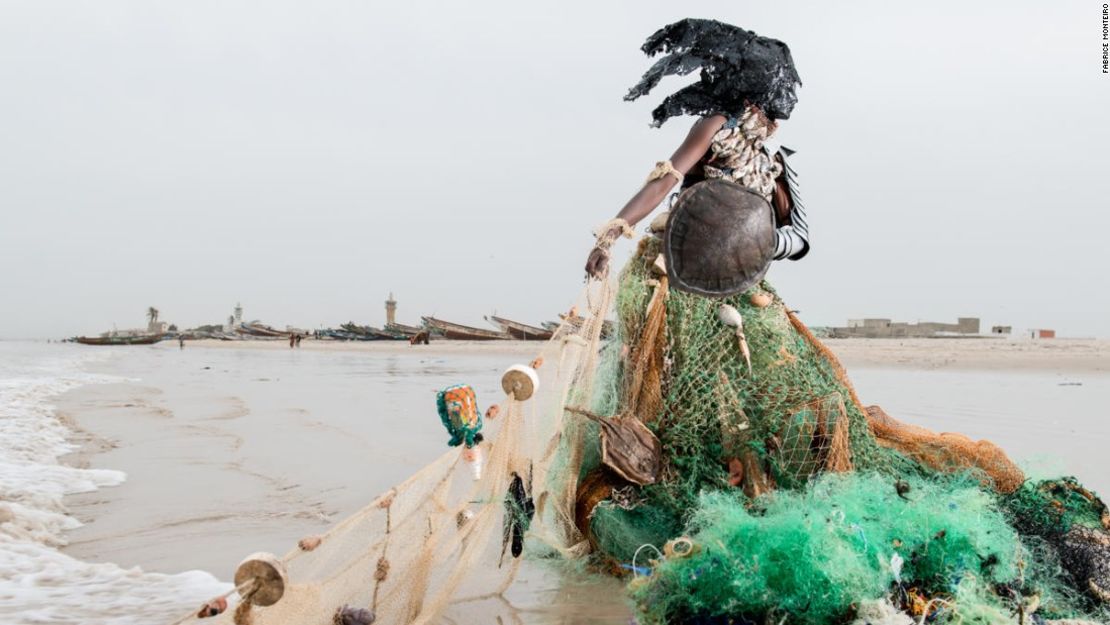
[
  {"x": 236, "y": 447},
  {"x": 1059, "y": 355}
]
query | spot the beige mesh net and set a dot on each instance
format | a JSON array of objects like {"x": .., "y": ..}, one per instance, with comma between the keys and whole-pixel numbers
[{"x": 435, "y": 542}]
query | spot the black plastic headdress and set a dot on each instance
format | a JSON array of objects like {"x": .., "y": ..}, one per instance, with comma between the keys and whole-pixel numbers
[{"x": 737, "y": 67}]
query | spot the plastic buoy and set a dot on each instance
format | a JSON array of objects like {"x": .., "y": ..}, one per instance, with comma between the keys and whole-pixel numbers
[
  {"x": 520, "y": 381},
  {"x": 268, "y": 573}
]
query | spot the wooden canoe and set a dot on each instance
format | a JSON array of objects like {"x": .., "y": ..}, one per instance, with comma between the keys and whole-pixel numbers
[
  {"x": 519, "y": 331},
  {"x": 607, "y": 326},
  {"x": 262, "y": 330},
  {"x": 370, "y": 333},
  {"x": 404, "y": 330},
  {"x": 460, "y": 332},
  {"x": 145, "y": 339}
]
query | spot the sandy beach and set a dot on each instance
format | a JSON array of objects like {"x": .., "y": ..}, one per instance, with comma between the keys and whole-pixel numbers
[
  {"x": 1057, "y": 355},
  {"x": 235, "y": 447}
]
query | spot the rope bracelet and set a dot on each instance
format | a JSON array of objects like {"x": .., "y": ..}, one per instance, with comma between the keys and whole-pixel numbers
[
  {"x": 610, "y": 231},
  {"x": 663, "y": 168}
]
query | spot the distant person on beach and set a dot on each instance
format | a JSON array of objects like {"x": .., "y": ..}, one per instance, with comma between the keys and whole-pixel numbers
[
  {"x": 181, "y": 342},
  {"x": 292, "y": 340},
  {"x": 298, "y": 342}
]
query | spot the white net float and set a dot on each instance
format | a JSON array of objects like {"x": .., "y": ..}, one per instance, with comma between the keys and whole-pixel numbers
[
  {"x": 268, "y": 573},
  {"x": 520, "y": 381}
]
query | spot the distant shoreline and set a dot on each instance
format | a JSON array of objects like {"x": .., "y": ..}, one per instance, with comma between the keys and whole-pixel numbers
[{"x": 1063, "y": 355}]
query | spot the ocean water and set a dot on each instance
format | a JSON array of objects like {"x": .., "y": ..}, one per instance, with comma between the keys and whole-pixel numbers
[
  {"x": 265, "y": 445},
  {"x": 38, "y": 583}
]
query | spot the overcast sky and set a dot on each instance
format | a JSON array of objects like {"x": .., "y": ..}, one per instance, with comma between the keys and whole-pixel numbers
[{"x": 307, "y": 158}]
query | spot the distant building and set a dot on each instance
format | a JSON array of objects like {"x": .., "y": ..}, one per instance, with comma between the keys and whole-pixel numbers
[
  {"x": 390, "y": 310},
  {"x": 1002, "y": 329},
  {"x": 235, "y": 321},
  {"x": 1043, "y": 334},
  {"x": 886, "y": 328}
]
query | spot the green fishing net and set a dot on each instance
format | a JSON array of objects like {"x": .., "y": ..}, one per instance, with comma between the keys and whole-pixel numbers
[
  {"x": 713, "y": 405},
  {"x": 838, "y": 517},
  {"x": 811, "y": 554}
]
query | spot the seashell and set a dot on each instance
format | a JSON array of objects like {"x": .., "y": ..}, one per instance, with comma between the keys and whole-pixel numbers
[
  {"x": 659, "y": 224},
  {"x": 308, "y": 543},
  {"x": 347, "y": 615},
  {"x": 730, "y": 316},
  {"x": 214, "y": 607},
  {"x": 463, "y": 517},
  {"x": 493, "y": 411},
  {"x": 761, "y": 300},
  {"x": 659, "y": 266}
]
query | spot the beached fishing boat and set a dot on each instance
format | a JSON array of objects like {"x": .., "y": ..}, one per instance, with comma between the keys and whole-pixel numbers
[
  {"x": 463, "y": 333},
  {"x": 370, "y": 333},
  {"x": 405, "y": 330},
  {"x": 261, "y": 330},
  {"x": 337, "y": 335},
  {"x": 144, "y": 339},
  {"x": 575, "y": 322},
  {"x": 519, "y": 331}
]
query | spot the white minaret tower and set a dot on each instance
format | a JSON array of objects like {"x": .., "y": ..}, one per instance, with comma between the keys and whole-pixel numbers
[
  {"x": 390, "y": 310},
  {"x": 238, "y": 314}
]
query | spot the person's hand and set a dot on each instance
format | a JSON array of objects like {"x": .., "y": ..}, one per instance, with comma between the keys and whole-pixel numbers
[{"x": 597, "y": 263}]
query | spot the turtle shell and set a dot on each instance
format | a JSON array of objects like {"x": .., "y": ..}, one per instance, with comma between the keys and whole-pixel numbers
[{"x": 720, "y": 239}]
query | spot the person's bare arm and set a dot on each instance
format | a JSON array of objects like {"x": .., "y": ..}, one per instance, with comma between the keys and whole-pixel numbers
[{"x": 651, "y": 194}]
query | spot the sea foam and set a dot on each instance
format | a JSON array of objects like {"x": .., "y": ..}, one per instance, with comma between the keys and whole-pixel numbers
[{"x": 38, "y": 583}]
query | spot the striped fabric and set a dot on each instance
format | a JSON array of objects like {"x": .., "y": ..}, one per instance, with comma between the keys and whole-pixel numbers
[{"x": 792, "y": 241}]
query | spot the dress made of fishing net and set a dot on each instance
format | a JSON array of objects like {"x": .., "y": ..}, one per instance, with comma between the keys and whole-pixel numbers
[{"x": 778, "y": 494}]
